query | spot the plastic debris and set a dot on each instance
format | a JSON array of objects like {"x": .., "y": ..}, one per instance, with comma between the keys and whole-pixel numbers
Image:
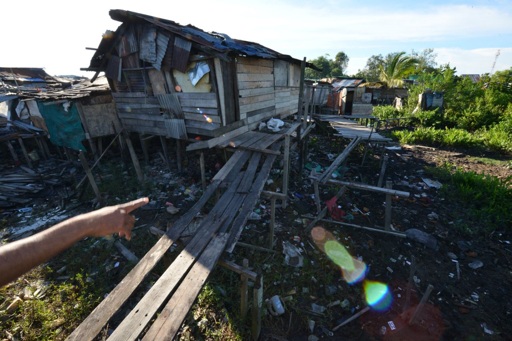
[
  {"x": 476, "y": 264},
  {"x": 423, "y": 238},
  {"x": 292, "y": 254},
  {"x": 275, "y": 124},
  {"x": 486, "y": 330}
]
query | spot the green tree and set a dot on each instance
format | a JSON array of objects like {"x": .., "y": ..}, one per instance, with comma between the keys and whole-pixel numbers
[
  {"x": 426, "y": 60},
  {"x": 396, "y": 69},
  {"x": 328, "y": 67},
  {"x": 340, "y": 64},
  {"x": 371, "y": 71}
]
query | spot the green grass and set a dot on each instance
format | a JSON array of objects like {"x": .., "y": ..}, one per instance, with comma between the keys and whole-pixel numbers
[{"x": 487, "y": 200}]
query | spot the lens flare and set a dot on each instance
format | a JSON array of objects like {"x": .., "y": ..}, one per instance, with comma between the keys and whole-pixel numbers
[
  {"x": 339, "y": 255},
  {"x": 377, "y": 295},
  {"x": 353, "y": 270},
  {"x": 208, "y": 119}
]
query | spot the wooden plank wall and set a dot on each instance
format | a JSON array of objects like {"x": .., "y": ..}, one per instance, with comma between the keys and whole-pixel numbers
[
  {"x": 139, "y": 113},
  {"x": 255, "y": 78},
  {"x": 267, "y": 89},
  {"x": 142, "y": 114}
]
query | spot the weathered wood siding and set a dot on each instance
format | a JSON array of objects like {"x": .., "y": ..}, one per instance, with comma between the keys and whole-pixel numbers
[
  {"x": 139, "y": 113},
  {"x": 267, "y": 88},
  {"x": 288, "y": 88},
  {"x": 142, "y": 114},
  {"x": 255, "y": 78}
]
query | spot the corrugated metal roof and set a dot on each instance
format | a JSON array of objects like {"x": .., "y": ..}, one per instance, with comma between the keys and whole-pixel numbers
[
  {"x": 346, "y": 83},
  {"x": 220, "y": 43}
]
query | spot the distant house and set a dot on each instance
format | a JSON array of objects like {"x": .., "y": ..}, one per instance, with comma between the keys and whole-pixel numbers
[
  {"x": 181, "y": 82},
  {"x": 68, "y": 111}
]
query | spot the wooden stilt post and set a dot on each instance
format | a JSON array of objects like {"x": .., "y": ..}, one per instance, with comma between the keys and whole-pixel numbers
[
  {"x": 244, "y": 306},
  {"x": 203, "y": 170},
  {"x": 387, "y": 221},
  {"x": 286, "y": 167},
  {"x": 144, "y": 148},
  {"x": 163, "y": 142},
  {"x": 420, "y": 306},
  {"x": 317, "y": 196},
  {"x": 272, "y": 222},
  {"x": 256, "y": 308},
  {"x": 24, "y": 150},
  {"x": 13, "y": 152},
  {"x": 135, "y": 160},
  {"x": 178, "y": 155},
  {"x": 382, "y": 171},
  {"x": 85, "y": 165}
]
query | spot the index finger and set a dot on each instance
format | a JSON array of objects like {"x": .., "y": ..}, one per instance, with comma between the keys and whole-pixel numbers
[{"x": 133, "y": 205}]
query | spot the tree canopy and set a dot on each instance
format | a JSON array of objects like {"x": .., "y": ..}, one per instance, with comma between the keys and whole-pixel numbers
[
  {"x": 329, "y": 67},
  {"x": 393, "y": 71}
]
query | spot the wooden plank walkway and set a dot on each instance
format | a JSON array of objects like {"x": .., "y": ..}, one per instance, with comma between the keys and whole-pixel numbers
[
  {"x": 349, "y": 128},
  {"x": 171, "y": 297}
]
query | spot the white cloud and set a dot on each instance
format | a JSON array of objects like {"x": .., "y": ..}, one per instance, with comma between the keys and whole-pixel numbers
[
  {"x": 475, "y": 61},
  {"x": 298, "y": 28}
]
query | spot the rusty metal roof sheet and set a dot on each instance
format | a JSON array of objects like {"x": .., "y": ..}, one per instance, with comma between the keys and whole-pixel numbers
[{"x": 218, "y": 43}]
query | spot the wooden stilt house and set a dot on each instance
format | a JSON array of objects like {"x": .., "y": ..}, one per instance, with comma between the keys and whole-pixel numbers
[{"x": 184, "y": 83}]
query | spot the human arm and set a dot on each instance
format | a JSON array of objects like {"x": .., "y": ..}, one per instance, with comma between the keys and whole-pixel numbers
[{"x": 20, "y": 256}]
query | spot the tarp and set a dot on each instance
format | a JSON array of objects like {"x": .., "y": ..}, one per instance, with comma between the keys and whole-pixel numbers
[{"x": 64, "y": 124}]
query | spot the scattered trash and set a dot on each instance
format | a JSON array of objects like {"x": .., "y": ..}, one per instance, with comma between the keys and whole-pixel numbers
[
  {"x": 433, "y": 216},
  {"x": 486, "y": 330},
  {"x": 319, "y": 309},
  {"x": 275, "y": 124},
  {"x": 476, "y": 264},
  {"x": 432, "y": 183},
  {"x": 423, "y": 238},
  {"x": 311, "y": 325},
  {"x": 292, "y": 255},
  {"x": 275, "y": 305},
  {"x": 172, "y": 209},
  {"x": 254, "y": 216},
  {"x": 391, "y": 325}
]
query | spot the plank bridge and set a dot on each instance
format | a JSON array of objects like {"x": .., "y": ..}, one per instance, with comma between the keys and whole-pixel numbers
[{"x": 159, "y": 314}]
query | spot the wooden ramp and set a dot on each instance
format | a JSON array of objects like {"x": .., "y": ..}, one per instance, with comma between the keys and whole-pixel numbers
[
  {"x": 161, "y": 311},
  {"x": 348, "y": 127}
]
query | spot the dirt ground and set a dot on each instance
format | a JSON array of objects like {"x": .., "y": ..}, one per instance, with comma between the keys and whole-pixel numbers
[{"x": 464, "y": 282}]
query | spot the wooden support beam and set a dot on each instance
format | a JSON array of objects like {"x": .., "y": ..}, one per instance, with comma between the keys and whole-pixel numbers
[
  {"x": 133, "y": 155},
  {"x": 368, "y": 188},
  {"x": 382, "y": 170},
  {"x": 144, "y": 146},
  {"x": 286, "y": 168},
  {"x": 178, "y": 155},
  {"x": 25, "y": 154},
  {"x": 326, "y": 175},
  {"x": 85, "y": 165},
  {"x": 163, "y": 142},
  {"x": 203, "y": 170},
  {"x": 421, "y": 306},
  {"x": 396, "y": 234},
  {"x": 272, "y": 222},
  {"x": 80, "y": 109},
  {"x": 13, "y": 152},
  {"x": 387, "y": 218},
  {"x": 257, "y": 306},
  {"x": 244, "y": 304}
]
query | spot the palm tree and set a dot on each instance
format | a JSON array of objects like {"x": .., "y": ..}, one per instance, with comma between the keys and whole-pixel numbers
[{"x": 396, "y": 68}]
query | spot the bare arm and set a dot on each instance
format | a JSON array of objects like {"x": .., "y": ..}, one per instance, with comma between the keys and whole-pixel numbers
[{"x": 20, "y": 256}]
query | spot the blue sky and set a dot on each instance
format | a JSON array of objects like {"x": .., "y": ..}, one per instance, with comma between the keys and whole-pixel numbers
[{"x": 466, "y": 34}]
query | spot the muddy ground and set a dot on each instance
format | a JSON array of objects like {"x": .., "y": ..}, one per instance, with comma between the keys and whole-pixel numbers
[{"x": 464, "y": 281}]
